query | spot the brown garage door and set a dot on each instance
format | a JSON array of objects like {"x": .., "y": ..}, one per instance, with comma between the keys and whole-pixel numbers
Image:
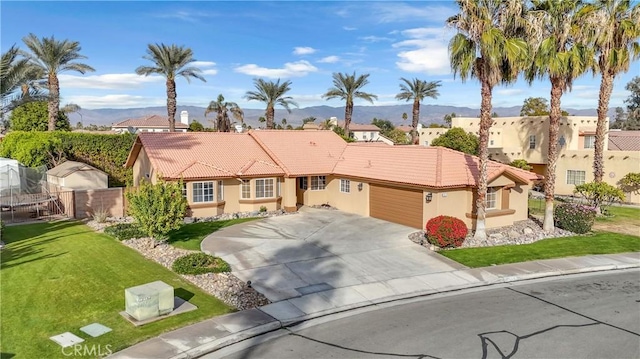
[{"x": 398, "y": 205}]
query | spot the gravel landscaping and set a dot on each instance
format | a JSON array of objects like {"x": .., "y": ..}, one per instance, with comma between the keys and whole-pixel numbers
[{"x": 521, "y": 232}]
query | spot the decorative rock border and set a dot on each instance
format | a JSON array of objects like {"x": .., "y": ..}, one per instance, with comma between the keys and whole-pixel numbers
[{"x": 521, "y": 232}]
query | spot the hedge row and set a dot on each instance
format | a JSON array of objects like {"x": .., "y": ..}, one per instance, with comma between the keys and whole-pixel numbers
[{"x": 106, "y": 152}]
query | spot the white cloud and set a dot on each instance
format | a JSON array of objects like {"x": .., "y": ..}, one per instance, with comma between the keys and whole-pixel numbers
[
  {"x": 107, "y": 81},
  {"x": 303, "y": 50},
  {"x": 373, "y": 38},
  {"x": 329, "y": 59},
  {"x": 397, "y": 12},
  {"x": 290, "y": 69},
  {"x": 115, "y": 101},
  {"x": 188, "y": 16},
  {"x": 203, "y": 64},
  {"x": 509, "y": 92},
  {"x": 429, "y": 53},
  {"x": 349, "y": 28},
  {"x": 209, "y": 72}
]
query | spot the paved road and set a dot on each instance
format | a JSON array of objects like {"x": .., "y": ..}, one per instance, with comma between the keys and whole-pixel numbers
[
  {"x": 587, "y": 316},
  {"x": 318, "y": 250}
]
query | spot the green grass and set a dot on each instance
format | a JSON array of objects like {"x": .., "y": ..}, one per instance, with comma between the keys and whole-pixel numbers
[
  {"x": 621, "y": 215},
  {"x": 597, "y": 243},
  {"x": 190, "y": 235},
  {"x": 58, "y": 277}
]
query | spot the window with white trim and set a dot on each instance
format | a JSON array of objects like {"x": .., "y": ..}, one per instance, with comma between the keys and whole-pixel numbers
[
  {"x": 302, "y": 182},
  {"x": 245, "y": 189},
  {"x": 220, "y": 191},
  {"x": 575, "y": 177},
  {"x": 373, "y": 135},
  {"x": 279, "y": 188},
  {"x": 364, "y": 136},
  {"x": 202, "y": 192},
  {"x": 318, "y": 183},
  {"x": 345, "y": 186},
  {"x": 492, "y": 198},
  {"x": 532, "y": 142},
  {"x": 264, "y": 188},
  {"x": 589, "y": 141},
  {"x": 184, "y": 190}
]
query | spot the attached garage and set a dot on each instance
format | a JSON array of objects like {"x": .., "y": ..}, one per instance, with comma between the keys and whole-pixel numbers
[{"x": 398, "y": 205}]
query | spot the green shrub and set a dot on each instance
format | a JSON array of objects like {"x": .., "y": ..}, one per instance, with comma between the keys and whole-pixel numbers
[
  {"x": 630, "y": 182},
  {"x": 576, "y": 218},
  {"x": 263, "y": 209},
  {"x": 124, "y": 231},
  {"x": 599, "y": 194},
  {"x": 446, "y": 231},
  {"x": 157, "y": 208},
  {"x": 1, "y": 227},
  {"x": 200, "y": 263},
  {"x": 522, "y": 164}
]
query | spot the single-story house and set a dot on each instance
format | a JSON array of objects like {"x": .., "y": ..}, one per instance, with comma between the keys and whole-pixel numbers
[
  {"x": 153, "y": 123},
  {"x": 77, "y": 175},
  {"x": 231, "y": 172}
]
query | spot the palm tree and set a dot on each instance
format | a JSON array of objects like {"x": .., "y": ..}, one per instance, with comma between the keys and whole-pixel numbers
[
  {"x": 417, "y": 90},
  {"x": 554, "y": 35},
  {"x": 616, "y": 28},
  {"x": 347, "y": 87},
  {"x": 326, "y": 124},
  {"x": 170, "y": 61},
  {"x": 486, "y": 48},
  {"x": 271, "y": 93},
  {"x": 53, "y": 57},
  {"x": 221, "y": 107}
]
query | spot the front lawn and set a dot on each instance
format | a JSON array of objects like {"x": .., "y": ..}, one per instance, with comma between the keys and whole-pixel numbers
[
  {"x": 598, "y": 243},
  {"x": 621, "y": 215},
  {"x": 58, "y": 277},
  {"x": 190, "y": 235}
]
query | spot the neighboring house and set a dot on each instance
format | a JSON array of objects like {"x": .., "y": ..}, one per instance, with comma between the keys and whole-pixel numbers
[
  {"x": 77, "y": 175},
  {"x": 231, "y": 172},
  {"x": 359, "y": 132},
  {"x": 512, "y": 138},
  {"x": 154, "y": 123}
]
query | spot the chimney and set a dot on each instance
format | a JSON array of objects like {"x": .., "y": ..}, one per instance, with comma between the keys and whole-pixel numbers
[
  {"x": 238, "y": 128},
  {"x": 184, "y": 117}
]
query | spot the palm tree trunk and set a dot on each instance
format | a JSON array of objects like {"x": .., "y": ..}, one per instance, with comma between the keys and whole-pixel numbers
[
  {"x": 414, "y": 123},
  {"x": 557, "y": 86},
  {"x": 271, "y": 113},
  {"x": 171, "y": 104},
  {"x": 348, "y": 111},
  {"x": 483, "y": 154},
  {"x": 54, "y": 101},
  {"x": 606, "y": 86}
]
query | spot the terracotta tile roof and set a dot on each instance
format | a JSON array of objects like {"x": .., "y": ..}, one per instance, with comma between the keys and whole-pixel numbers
[
  {"x": 302, "y": 152},
  {"x": 405, "y": 128},
  {"x": 624, "y": 140},
  {"x": 206, "y": 154},
  {"x": 360, "y": 127},
  {"x": 369, "y": 143},
  {"x": 155, "y": 121},
  {"x": 435, "y": 167}
]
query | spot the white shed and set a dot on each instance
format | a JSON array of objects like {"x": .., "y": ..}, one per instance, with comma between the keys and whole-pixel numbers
[
  {"x": 9, "y": 176},
  {"x": 77, "y": 175}
]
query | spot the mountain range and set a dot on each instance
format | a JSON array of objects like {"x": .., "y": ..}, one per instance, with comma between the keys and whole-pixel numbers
[{"x": 361, "y": 114}]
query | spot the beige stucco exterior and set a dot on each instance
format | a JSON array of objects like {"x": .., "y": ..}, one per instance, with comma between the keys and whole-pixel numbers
[
  {"x": 509, "y": 140},
  {"x": 142, "y": 169},
  {"x": 81, "y": 179}
]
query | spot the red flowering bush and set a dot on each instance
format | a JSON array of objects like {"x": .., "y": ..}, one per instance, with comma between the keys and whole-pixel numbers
[{"x": 446, "y": 231}]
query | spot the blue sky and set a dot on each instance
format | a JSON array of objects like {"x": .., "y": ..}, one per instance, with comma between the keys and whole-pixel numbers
[{"x": 234, "y": 42}]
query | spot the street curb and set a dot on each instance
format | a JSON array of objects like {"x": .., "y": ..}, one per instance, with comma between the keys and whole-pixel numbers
[{"x": 358, "y": 308}]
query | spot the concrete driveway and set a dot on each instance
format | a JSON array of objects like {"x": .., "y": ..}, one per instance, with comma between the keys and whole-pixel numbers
[{"x": 318, "y": 249}]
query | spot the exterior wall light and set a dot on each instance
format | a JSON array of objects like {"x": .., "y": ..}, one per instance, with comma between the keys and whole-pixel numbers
[
  {"x": 428, "y": 197},
  {"x": 360, "y": 186}
]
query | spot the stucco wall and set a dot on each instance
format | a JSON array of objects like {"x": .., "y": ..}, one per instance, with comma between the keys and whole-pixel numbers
[
  {"x": 142, "y": 169},
  {"x": 356, "y": 201},
  {"x": 448, "y": 202},
  {"x": 88, "y": 202}
]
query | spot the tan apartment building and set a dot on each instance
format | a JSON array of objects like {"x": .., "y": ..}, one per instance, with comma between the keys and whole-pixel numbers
[
  {"x": 512, "y": 138},
  {"x": 233, "y": 172}
]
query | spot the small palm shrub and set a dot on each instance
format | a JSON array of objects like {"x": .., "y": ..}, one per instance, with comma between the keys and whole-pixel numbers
[
  {"x": 100, "y": 215},
  {"x": 446, "y": 231},
  {"x": 576, "y": 218},
  {"x": 124, "y": 231},
  {"x": 200, "y": 263}
]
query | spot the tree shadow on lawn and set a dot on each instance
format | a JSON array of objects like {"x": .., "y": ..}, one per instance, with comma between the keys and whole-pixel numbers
[{"x": 25, "y": 243}]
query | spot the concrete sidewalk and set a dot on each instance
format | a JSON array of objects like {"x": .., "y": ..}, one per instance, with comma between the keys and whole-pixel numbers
[{"x": 212, "y": 334}]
